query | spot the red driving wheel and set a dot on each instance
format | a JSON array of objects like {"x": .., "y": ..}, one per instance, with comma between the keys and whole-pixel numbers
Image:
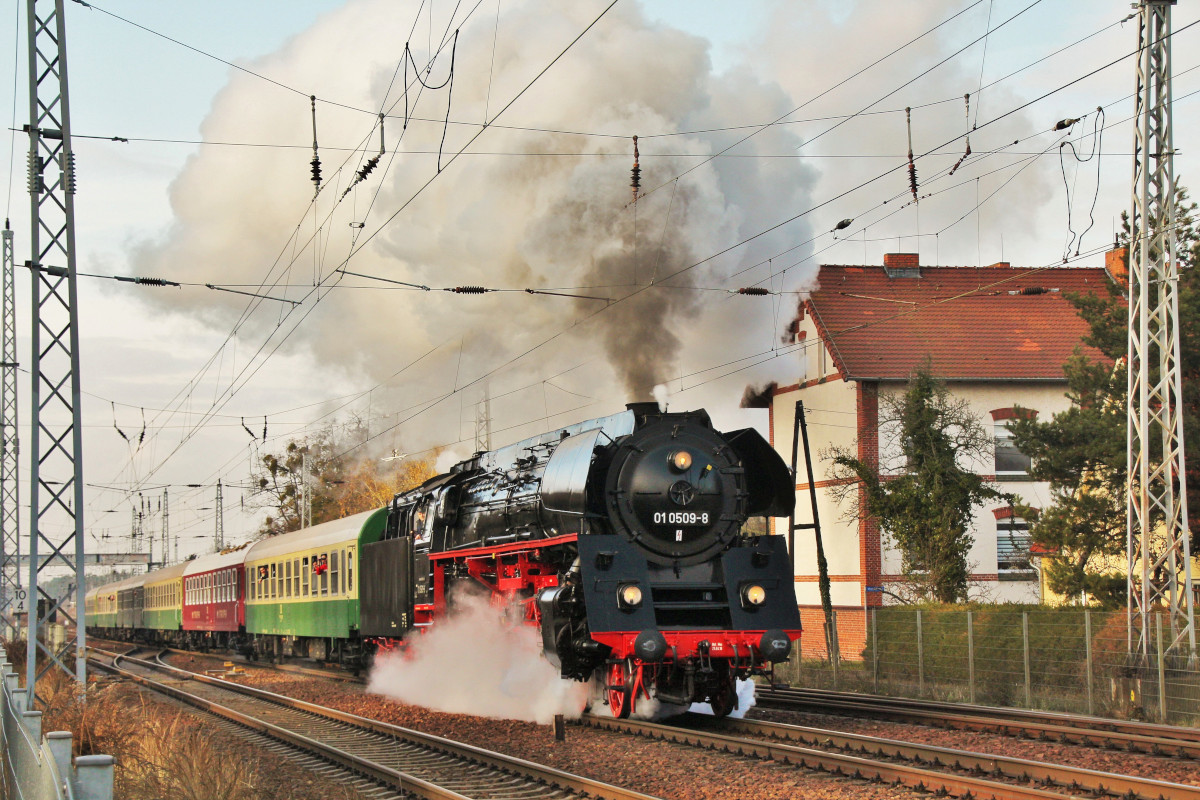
[{"x": 618, "y": 690}]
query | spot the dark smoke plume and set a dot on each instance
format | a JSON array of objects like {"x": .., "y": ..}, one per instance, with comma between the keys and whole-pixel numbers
[{"x": 759, "y": 397}]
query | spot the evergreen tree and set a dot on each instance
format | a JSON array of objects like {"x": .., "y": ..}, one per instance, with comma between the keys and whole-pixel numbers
[
  {"x": 1081, "y": 451},
  {"x": 925, "y": 512}
]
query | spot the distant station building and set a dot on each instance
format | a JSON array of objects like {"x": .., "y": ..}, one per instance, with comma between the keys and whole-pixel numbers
[{"x": 998, "y": 335}]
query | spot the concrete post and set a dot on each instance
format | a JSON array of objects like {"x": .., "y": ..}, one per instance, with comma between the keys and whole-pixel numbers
[
  {"x": 32, "y": 720},
  {"x": 1162, "y": 673},
  {"x": 874, "y": 653},
  {"x": 1087, "y": 637},
  {"x": 920, "y": 656},
  {"x": 971, "y": 655},
  {"x": 1025, "y": 638},
  {"x": 94, "y": 778},
  {"x": 59, "y": 743}
]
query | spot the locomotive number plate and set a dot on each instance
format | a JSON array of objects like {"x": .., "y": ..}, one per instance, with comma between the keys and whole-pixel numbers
[{"x": 680, "y": 518}]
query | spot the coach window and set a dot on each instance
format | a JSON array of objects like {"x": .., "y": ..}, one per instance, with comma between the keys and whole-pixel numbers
[
  {"x": 350, "y": 571},
  {"x": 287, "y": 579},
  {"x": 296, "y": 577},
  {"x": 334, "y": 572},
  {"x": 304, "y": 577},
  {"x": 323, "y": 564},
  {"x": 271, "y": 583}
]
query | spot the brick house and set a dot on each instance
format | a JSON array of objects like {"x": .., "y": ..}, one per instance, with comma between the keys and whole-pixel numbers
[{"x": 997, "y": 335}]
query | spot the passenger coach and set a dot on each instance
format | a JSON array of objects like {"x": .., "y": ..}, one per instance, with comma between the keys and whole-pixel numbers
[
  {"x": 303, "y": 591},
  {"x": 213, "y": 608}
]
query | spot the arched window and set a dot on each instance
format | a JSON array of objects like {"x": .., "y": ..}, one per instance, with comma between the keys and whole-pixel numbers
[
  {"x": 1011, "y": 463},
  {"x": 1013, "y": 541}
]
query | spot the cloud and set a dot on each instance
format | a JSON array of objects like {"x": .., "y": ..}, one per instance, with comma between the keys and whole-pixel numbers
[{"x": 519, "y": 209}]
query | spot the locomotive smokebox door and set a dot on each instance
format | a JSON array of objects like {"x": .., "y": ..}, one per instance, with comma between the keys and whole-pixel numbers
[{"x": 385, "y": 591}]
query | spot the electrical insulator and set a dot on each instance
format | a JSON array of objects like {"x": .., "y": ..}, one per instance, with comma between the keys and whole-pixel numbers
[
  {"x": 368, "y": 168},
  {"x": 36, "y": 186},
  {"x": 635, "y": 173},
  {"x": 753, "y": 290},
  {"x": 316, "y": 170},
  {"x": 69, "y": 172},
  {"x": 469, "y": 290},
  {"x": 912, "y": 167}
]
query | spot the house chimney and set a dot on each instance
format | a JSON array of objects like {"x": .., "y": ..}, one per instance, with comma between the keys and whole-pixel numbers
[
  {"x": 902, "y": 265},
  {"x": 1116, "y": 264}
]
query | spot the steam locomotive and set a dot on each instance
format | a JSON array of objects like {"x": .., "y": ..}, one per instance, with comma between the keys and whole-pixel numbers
[{"x": 621, "y": 539}]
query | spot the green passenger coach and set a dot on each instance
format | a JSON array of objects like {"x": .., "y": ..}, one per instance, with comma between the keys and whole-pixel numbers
[
  {"x": 164, "y": 602},
  {"x": 302, "y": 588}
]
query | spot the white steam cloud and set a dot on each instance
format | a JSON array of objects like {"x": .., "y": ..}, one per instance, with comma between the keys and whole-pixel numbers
[
  {"x": 474, "y": 662},
  {"x": 536, "y": 207}
]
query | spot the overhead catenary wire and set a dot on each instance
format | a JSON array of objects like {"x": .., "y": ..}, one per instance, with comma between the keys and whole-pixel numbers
[
  {"x": 1076, "y": 239},
  {"x": 185, "y": 393},
  {"x": 248, "y": 372},
  {"x": 993, "y": 120}
]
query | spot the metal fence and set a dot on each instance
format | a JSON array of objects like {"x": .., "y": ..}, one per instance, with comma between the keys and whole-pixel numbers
[
  {"x": 1059, "y": 659},
  {"x": 39, "y": 768}
]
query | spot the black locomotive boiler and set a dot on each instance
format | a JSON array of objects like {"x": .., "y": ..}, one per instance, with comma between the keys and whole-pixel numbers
[{"x": 622, "y": 539}]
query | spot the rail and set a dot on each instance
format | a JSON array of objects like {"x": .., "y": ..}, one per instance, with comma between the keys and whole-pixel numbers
[
  {"x": 545, "y": 776},
  {"x": 37, "y": 767}
]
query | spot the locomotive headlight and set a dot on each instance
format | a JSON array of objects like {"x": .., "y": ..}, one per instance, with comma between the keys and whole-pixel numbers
[
  {"x": 681, "y": 460},
  {"x": 753, "y": 595},
  {"x": 629, "y": 596}
]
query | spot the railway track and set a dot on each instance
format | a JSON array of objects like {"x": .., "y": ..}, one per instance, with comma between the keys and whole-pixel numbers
[
  {"x": 1131, "y": 736},
  {"x": 924, "y": 767},
  {"x": 297, "y": 669},
  {"x": 398, "y": 759}
]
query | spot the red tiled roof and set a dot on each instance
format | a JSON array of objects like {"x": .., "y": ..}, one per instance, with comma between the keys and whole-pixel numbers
[{"x": 991, "y": 323}]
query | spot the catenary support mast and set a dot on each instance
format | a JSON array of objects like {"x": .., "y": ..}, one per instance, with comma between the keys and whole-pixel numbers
[
  {"x": 219, "y": 537},
  {"x": 1159, "y": 554},
  {"x": 56, "y": 480},
  {"x": 12, "y": 595}
]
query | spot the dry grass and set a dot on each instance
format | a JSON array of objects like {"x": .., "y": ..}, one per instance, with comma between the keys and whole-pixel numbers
[
  {"x": 14, "y": 653},
  {"x": 163, "y": 753}
]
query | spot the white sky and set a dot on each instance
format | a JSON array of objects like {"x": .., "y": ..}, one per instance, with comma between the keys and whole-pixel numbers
[{"x": 129, "y": 83}]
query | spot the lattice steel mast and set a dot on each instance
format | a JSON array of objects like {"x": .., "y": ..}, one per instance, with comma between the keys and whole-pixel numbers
[
  {"x": 483, "y": 421},
  {"x": 219, "y": 532},
  {"x": 1159, "y": 554},
  {"x": 56, "y": 481},
  {"x": 12, "y": 595}
]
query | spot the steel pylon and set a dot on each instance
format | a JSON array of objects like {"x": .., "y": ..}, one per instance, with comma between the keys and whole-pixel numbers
[
  {"x": 1159, "y": 557},
  {"x": 12, "y": 594},
  {"x": 56, "y": 479}
]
